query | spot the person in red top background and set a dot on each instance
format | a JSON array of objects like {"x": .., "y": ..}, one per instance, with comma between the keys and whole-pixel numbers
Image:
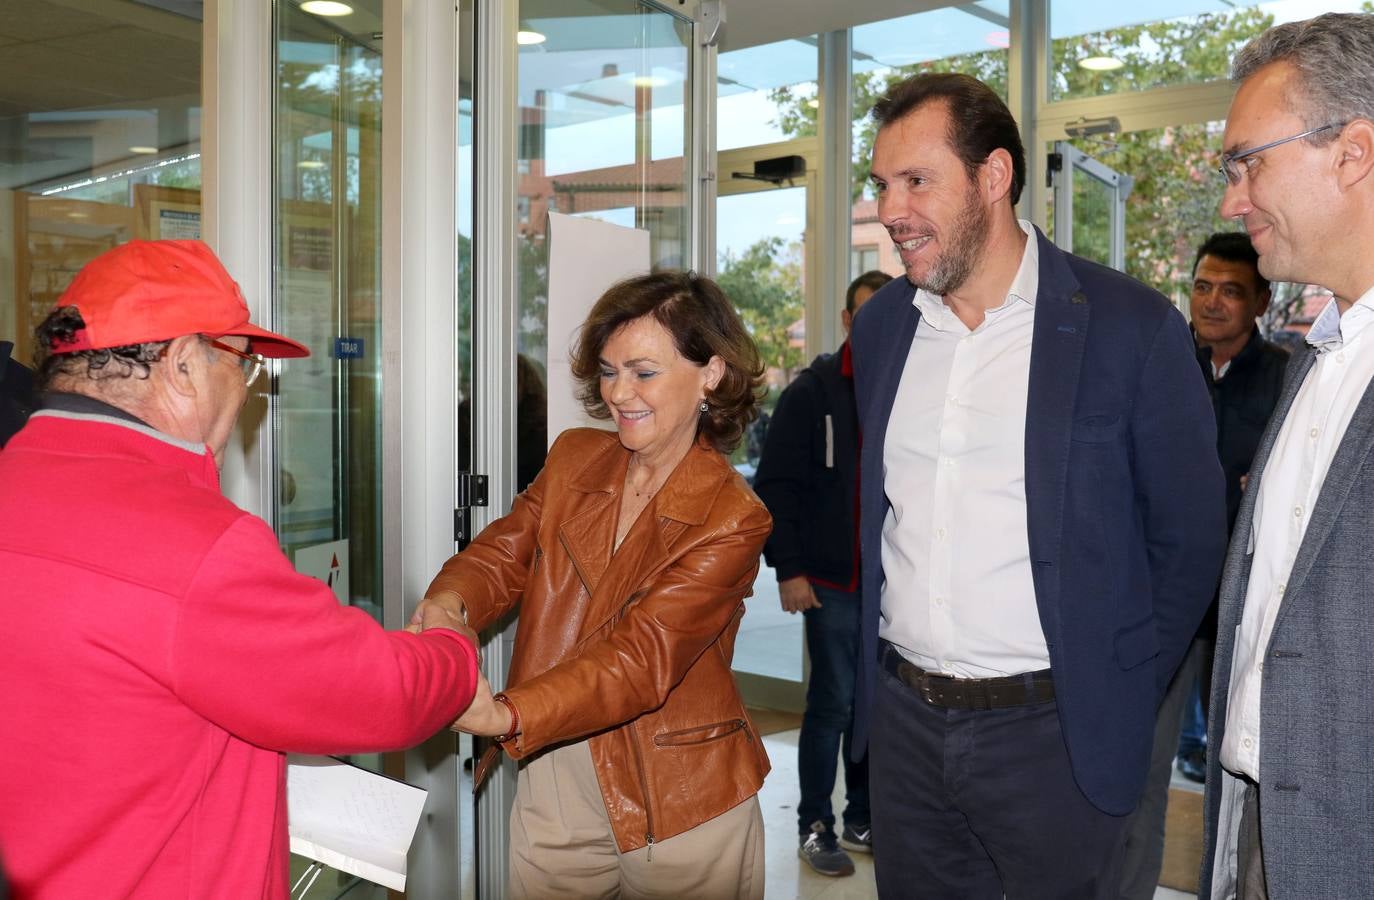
[{"x": 161, "y": 654}]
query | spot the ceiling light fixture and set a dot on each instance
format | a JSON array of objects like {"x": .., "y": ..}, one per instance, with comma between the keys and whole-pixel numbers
[
  {"x": 330, "y": 8},
  {"x": 1100, "y": 63},
  {"x": 141, "y": 148}
]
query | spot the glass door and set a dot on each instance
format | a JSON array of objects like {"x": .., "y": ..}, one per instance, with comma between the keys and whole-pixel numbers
[
  {"x": 763, "y": 231},
  {"x": 327, "y": 291},
  {"x": 1089, "y": 206}
]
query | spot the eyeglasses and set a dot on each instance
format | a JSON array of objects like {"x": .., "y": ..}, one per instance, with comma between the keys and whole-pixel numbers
[
  {"x": 253, "y": 363},
  {"x": 1234, "y": 173}
]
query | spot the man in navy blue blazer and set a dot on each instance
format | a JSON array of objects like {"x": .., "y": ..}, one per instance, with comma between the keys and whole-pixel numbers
[{"x": 1043, "y": 520}]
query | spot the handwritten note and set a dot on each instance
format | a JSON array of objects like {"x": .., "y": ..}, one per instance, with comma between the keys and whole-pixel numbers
[{"x": 352, "y": 819}]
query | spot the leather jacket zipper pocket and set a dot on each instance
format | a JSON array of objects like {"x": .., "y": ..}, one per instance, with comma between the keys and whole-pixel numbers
[
  {"x": 643, "y": 786},
  {"x": 703, "y": 734}
]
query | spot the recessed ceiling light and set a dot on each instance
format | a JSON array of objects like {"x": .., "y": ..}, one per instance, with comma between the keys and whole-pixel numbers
[
  {"x": 140, "y": 148},
  {"x": 311, "y": 164},
  {"x": 527, "y": 37},
  {"x": 326, "y": 8},
  {"x": 1100, "y": 63}
]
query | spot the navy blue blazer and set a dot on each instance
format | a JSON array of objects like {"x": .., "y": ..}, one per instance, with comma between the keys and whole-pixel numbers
[{"x": 1125, "y": 503}]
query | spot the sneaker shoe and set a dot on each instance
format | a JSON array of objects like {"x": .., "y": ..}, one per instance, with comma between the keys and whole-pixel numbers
[
  {"x": 860, "y": 839},
  {"x": 822, "y": 853}
]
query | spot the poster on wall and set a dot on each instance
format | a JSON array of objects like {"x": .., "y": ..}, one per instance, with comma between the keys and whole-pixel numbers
[
  {"x": 329, "y": 563},
  {"x": 586, "y": 256},
  {"x": 308, "y": 310}
]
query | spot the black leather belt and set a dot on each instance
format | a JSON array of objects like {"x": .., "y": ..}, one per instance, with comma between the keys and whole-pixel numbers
[{"x": 969, "y": 693}]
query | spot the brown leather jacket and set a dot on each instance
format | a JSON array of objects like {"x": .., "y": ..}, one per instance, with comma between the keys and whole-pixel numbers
[{"x": 631, "y": 648}]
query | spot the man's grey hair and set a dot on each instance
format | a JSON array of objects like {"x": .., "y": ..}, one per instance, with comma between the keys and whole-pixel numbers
[{"x": 1334, "y": 58}]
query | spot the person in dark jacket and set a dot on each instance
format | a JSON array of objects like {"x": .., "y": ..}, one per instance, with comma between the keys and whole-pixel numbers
[
  {"x": 17, "y": 398},
  {"x": 808, "y": 478},
  {"x": 1245, "y": 374}
]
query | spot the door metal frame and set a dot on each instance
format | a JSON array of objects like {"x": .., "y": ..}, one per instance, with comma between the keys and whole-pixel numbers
[{"x": 1075, "y": 164}]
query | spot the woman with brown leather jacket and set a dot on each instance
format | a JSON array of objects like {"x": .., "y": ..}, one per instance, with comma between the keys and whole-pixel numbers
[{"x": 629, "y": 558}]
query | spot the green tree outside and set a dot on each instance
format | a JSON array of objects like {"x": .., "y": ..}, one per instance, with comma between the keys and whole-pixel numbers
[{"x": 1173, "y": 206}]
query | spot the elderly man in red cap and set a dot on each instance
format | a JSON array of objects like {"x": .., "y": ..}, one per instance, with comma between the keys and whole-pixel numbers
[{"x": 160, "y": 654}]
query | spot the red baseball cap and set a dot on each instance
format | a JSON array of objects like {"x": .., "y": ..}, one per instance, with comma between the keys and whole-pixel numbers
[{"x": 146, "y": 291}]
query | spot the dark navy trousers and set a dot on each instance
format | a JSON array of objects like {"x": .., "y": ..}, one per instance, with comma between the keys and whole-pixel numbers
[
  {"x": 832, "y": 642},
  {"x": 982, "y": 804}
]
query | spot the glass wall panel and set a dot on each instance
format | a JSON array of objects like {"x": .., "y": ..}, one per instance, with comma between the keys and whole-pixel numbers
[
  {"x": 603, "y": 91},
  {"x": 327, "y": 293},
  {"x": 766, "y": 93},
  {"x": 1172, "y": 207},
  {"x": 1103, "y": 48},
  {"x": 971, "y": 38},
  {"x": 326, "y": 419},
  {"x": 761, "y": 255},
  {"x": 99, "y": 141}
]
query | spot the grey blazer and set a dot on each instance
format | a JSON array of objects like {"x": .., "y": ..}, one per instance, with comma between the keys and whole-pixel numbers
[{"x": 1317, "y": 700}]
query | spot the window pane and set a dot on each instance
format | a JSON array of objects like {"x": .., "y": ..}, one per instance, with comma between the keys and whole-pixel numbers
[
  {"x": 1103, "y": 48},
  {"x": 602, "y": 96},
  {"x": 99, "y": 143},
  {"x": 1172, "y": 207},
  {"x": 327, "y": 294},
  {"x": 971, "y": 39},
  {"x": 766, "y": 94},
  {"x": 761, "y": 238}
]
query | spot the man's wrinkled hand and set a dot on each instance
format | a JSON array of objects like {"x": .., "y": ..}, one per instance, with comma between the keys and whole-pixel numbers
[
  {"x": 442, "y": 612},
  {"x": 798, "y": 595}
]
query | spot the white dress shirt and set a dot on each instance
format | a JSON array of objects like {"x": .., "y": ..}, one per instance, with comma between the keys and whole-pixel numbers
[
  {"x": 1288, "y": 490},
  {"x": 958, "y": 596}
]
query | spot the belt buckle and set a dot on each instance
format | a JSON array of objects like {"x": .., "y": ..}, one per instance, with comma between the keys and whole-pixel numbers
[{"x": 927, "y": 679}]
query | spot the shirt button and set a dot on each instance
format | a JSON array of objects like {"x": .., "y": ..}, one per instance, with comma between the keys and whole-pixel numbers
[
  {"x": 953, "y": 400},
  {"x": 1282, "y": 588},
  {"x": 939, "y": 601},
  {"x": 1313, "y": 432},
  {"x": 940, "y": 534},
  {"x": 1297, "y": 512},
  {"x": 1259, "y": 667},
  {"x": 1248, "y": 743}
]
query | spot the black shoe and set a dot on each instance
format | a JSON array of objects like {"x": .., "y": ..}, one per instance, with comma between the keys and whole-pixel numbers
[
  {"x": 822, "y": 853},
  {"x": 857, "y": 838},
  {"x": 1193, "y": 766}
]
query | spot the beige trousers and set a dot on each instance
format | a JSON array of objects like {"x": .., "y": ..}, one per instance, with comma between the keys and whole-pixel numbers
[{"x": 561, "y": 844}]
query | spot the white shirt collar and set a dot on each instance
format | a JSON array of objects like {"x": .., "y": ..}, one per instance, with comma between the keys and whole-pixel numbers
[
  {"x": 1024, "y": 287},
  {"x": 1332, "y": 330}
]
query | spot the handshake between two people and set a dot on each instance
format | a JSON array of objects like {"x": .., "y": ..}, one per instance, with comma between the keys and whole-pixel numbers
[{"x": 485, "y": 716}]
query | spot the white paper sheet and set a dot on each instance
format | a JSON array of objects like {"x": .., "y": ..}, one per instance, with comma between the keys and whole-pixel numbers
[
  {"x": 586, "y": 256},
  {"x": 352, "y": 819}
]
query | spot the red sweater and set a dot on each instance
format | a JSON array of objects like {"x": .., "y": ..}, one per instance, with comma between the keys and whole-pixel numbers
[{"x": 158, "y": 654}]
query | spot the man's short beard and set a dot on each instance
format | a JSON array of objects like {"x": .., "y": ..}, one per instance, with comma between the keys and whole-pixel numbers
[{"x": 967, "y": 235}]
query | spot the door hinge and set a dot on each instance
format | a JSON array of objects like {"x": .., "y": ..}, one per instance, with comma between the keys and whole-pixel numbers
[
  {"x": 1053, "y": 163},
  {"x": 471, "y": 491}
]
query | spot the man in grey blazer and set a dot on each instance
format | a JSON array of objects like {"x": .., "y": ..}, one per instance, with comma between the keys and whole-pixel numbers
[{"x": 1290, "y": 781}]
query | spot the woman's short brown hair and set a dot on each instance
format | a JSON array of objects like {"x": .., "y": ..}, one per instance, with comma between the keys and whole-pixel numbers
[{"x": 702, "y": 322}]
